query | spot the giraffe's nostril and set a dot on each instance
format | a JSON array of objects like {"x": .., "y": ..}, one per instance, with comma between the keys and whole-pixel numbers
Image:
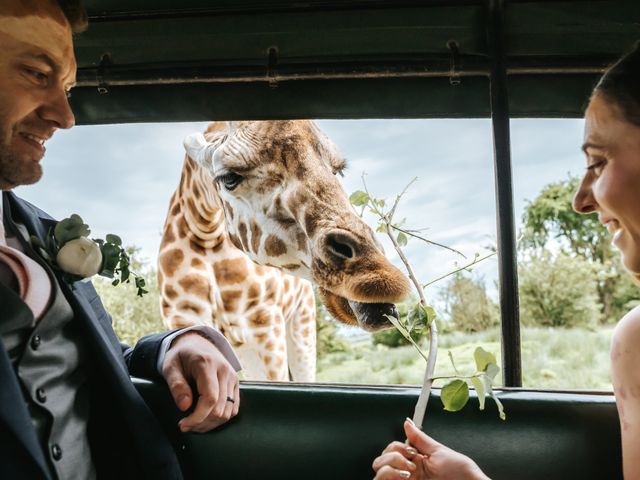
[{"x": 340, "y": 245}]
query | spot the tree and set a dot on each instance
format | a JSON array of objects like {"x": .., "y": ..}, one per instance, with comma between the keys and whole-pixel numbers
[
  {"x": 558, "y": 291},
  {"x": 551, "y": 218},
  {"x": 467, "y": 304}
]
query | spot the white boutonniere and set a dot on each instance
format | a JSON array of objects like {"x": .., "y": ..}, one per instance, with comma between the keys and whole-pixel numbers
[{"x": 69, "y": 250}]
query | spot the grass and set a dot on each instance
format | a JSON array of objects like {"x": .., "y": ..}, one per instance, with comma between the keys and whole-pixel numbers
[{"x": 551, "y": 358}]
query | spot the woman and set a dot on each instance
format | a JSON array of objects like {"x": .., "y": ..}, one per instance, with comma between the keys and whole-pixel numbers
[{"x": 610, "y": 188}]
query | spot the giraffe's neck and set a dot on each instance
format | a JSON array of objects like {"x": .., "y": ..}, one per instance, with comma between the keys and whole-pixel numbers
[{"x": 200, "y": 205}]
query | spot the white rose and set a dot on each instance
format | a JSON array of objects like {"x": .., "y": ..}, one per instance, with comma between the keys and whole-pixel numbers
[{"x": 81, "y": 257}]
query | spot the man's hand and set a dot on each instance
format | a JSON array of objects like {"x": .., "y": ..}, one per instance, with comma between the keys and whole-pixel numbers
[{"x": 194, "y": 360}]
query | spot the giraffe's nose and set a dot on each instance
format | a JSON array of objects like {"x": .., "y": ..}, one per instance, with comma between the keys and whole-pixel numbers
[{"x": 338, "y": 246}]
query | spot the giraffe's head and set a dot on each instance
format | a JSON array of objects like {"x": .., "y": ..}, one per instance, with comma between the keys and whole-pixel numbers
[{"x": 284, "y": 206}]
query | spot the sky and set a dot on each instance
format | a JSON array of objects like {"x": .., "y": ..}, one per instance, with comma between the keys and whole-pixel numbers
[{"x": 119, "y": 178}]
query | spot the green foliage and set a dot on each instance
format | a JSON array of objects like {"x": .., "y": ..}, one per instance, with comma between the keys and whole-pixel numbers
[
  {"x": 550, "y": 217},
  {"x": 420, "y": 316},
  {"x": 455, "y": 394},
  {"x": 132, "y": 317},
  {"x": 393, "y": 337},
  {"x": 327, "y": 339},
  {"x": 568, "y": 358},
  {"x": 467, "y": 304},
  {"x": 558, "y": 291}
]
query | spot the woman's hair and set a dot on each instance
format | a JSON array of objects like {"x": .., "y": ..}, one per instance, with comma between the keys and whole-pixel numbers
[
  {"x": 75, "y": 13},
  {"x": 620, "y": 85}
]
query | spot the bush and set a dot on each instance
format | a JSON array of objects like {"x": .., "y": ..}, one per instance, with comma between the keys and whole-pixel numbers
[
  {"x": 133, "y": 317},
  {"x": 468, "y": 306},
  {"x": 558, "y": 291}
]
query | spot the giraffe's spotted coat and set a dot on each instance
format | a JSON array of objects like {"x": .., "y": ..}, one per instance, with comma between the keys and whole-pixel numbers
[{"x": 281, "y": 212}]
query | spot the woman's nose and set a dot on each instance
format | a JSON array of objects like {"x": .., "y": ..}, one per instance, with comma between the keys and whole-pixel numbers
[{"x": 583, "y": 201}]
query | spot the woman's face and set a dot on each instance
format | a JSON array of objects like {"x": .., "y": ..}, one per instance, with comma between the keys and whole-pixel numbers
[{"x": 611, "y": 184}]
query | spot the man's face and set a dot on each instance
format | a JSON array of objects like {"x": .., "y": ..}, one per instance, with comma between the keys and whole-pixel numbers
[{"x": 37, "y": 69}]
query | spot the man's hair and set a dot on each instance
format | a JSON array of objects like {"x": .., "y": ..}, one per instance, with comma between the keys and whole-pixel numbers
[
  {"x": 620, "y": 85},
  {"x": 75, "y": 13}
]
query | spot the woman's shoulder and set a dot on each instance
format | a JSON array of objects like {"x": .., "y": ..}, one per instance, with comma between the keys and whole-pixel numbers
[
  {"x": 629, "y": 325},
  {"x": 625, "y": 344}
]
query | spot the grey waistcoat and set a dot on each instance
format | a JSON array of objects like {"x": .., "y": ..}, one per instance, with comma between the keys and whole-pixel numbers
[{"x": 50, "y": 359}]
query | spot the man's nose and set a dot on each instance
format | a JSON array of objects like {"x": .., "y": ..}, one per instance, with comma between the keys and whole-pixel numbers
[
  {"x": 583, "y": 201},
  {"x": 58, "y": 111}
]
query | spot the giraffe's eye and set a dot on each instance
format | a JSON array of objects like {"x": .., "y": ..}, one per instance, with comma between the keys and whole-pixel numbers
[{"x": 229, "y": 180}]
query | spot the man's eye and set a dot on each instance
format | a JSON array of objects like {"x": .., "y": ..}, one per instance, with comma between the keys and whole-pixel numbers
[
  {"x": 230, "y": 180},
  {"x": 37, "y": 75}
]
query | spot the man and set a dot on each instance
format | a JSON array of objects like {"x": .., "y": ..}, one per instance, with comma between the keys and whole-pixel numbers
[{"x": 67, "y": 406}]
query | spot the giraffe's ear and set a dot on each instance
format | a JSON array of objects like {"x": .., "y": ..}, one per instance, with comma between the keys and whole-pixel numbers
[{"x": 199, "y": 149}]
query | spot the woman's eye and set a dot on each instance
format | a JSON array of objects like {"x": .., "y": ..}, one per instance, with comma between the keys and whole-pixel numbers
[
  {"x": 230, "y": 180},
  {"x": 597, "y": 166}
]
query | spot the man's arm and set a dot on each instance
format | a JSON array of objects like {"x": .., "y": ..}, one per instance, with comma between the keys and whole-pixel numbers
[{"x": 197, "y": 363}]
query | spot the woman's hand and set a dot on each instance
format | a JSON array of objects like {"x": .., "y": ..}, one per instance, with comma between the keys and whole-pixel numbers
[{"x": 425, "y": 459}]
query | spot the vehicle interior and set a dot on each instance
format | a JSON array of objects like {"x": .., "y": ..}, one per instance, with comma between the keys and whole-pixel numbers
[{"x": 200, "y": 60}]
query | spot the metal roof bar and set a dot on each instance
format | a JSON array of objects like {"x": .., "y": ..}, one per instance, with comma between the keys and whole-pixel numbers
[{"x": 469, "y": 67}]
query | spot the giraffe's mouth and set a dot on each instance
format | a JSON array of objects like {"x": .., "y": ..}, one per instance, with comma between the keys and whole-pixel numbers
[
  {"x": 373, "y": 316},
  {"x": 368, "y": 316}
]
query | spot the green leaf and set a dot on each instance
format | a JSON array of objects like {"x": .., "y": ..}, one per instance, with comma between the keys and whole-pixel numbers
[
  {"x": 396, "y": 323},
  {"x": 478, "y": 385},
  {"x": 455, "y": 395},
  {"x": 416, "y": 317},
  {"x": 430, "y": 313},
  {"x": 115, "y": 239},
  {"x": 382, "y": 228},
  {"x": 483, "y": 358},
  {"x": 69, "y": 229},
  {"x": 488, "y": 386},
  {"x": 110, "y": 259},
  {"x": 381, "y": 203},
  {"x": 492, "y": 371},
  {"x": 359, "y": 198},
  {"x": 402, "y": 239}
]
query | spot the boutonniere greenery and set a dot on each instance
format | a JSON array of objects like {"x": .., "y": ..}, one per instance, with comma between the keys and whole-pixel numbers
[{"x": 68, "y": 249}]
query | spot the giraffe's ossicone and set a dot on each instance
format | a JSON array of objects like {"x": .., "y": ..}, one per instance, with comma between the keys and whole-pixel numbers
[{"x": 267, "y": 192}]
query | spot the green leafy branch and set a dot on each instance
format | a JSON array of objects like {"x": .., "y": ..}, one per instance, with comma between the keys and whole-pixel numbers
[{"x": 421, "y": 315}]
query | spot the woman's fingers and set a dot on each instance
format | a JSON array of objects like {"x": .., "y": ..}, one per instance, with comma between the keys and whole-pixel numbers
[
  {"x": 395, "y": 460},
  {"x": 389, "y": 473}
]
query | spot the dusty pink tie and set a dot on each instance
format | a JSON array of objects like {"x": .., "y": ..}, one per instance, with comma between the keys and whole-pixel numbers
[{"x": 34, "y": 286}]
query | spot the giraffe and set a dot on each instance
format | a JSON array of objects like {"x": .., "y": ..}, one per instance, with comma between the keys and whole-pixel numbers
[
  {"x": 268, "y": 316},
  {"x": 268, "y": 190}
]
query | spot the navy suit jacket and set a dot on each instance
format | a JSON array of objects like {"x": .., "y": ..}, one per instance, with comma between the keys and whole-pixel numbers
[{"x": 126, "y": 439}]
